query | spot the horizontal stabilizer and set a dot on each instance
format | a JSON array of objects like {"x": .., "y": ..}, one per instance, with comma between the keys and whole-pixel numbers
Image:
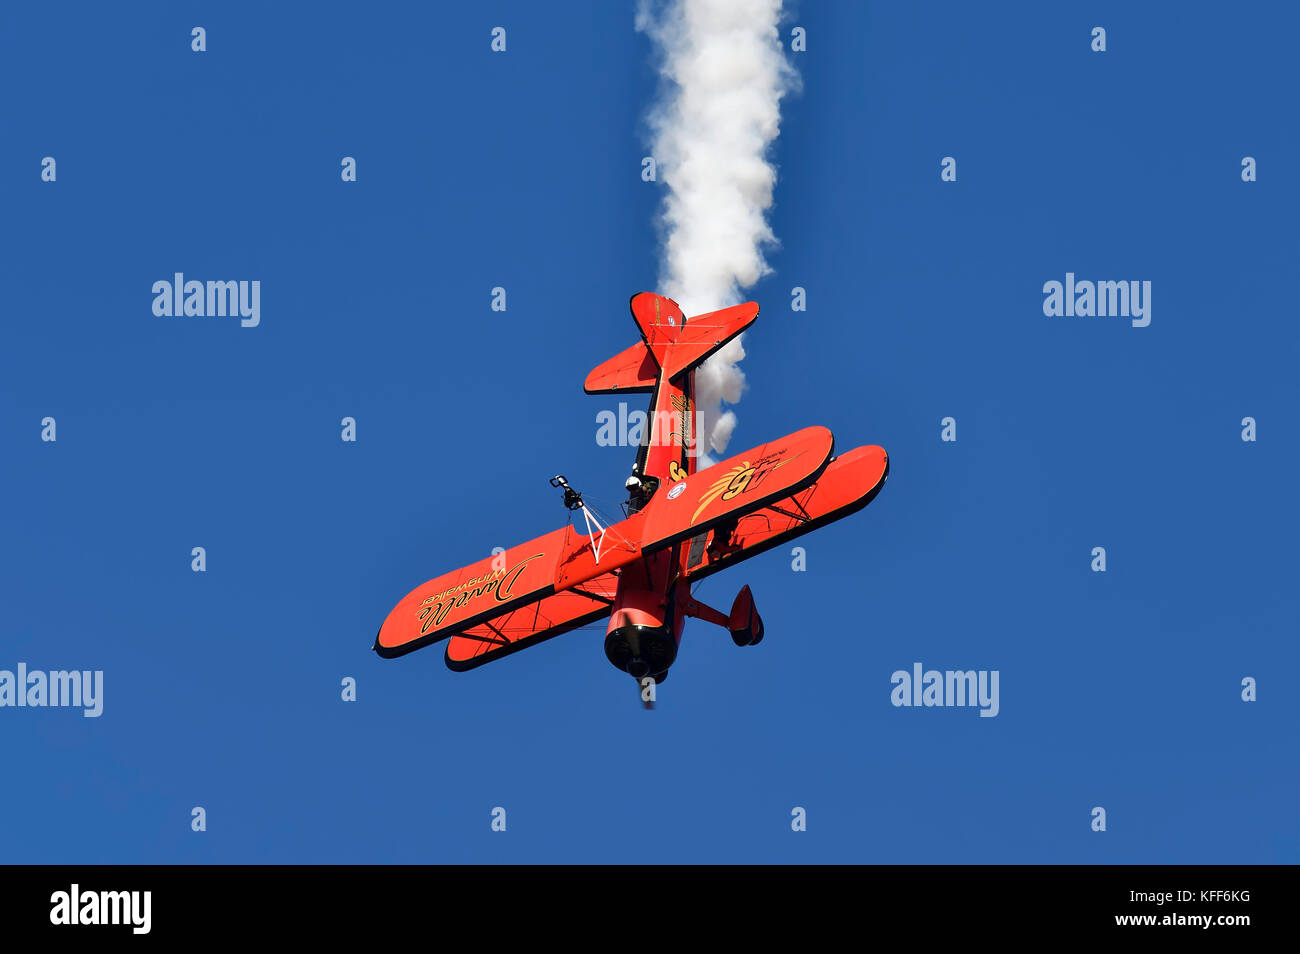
[
  {"x": 628, "y": 372},
  {"x": 705, "y": 334},
  {"x": 669, "y": 341}
]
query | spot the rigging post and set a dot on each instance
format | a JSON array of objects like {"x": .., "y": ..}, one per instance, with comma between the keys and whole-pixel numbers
[{"x": 573, "y": 501}]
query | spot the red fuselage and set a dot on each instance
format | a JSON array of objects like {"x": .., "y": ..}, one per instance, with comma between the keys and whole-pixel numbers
[{"x": 645, "y": 625}]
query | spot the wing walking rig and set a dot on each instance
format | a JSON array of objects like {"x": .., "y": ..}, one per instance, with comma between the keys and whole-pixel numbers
[{"x": 682, "y": 524}]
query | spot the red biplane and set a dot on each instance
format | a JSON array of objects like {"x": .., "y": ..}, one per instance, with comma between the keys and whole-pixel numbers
[{"x": 681, "y": 525}]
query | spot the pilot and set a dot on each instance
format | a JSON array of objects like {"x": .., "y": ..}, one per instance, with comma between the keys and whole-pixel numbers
[{"x": 637, "y": 495}]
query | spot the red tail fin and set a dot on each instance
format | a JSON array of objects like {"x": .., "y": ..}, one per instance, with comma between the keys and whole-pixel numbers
[{"x": 660, "y": 320}]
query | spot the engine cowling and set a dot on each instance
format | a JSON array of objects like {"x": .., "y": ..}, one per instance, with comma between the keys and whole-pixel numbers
[{"x": 643, "y": 634}]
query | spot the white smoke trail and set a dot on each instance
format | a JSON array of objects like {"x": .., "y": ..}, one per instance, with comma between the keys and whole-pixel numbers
[{"x": 725, "y": 73}]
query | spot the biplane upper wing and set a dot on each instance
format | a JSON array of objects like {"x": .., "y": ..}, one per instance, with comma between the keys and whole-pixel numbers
[
  {"x": 849, "y": 483},
  {"x": 721, "y": 493},
  {"x": 562, "y": 580},
  {"x": 496, "y": 586},
  {"x": 532, "y": 624}
]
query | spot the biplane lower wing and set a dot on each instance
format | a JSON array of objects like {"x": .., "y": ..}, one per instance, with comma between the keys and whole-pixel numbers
[
  {"x": 495, "y": 586},
  {"x": 849, "y": 483},
  {"x": 533, "y": 624}
]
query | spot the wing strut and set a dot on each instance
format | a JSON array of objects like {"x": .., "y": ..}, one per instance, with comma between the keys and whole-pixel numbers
[
  {"x": 793, "y": 516},
  {"x": 591, "y": 519}
]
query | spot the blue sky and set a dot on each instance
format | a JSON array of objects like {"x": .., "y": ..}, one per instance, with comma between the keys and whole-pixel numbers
[{"x": 1119, "y": 689}]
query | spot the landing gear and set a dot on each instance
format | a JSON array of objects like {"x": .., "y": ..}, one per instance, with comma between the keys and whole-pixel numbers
[{"x": 745, "y": 624}]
